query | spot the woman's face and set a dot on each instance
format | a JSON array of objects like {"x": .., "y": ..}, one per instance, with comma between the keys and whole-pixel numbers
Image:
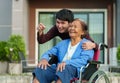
[{"x": 75, "y": 30}]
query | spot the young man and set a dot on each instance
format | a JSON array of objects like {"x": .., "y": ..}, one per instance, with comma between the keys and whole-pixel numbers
[{"x": 64, "y": 19}]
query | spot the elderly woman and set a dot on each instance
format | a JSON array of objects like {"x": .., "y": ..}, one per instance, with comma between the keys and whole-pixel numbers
[{"x": 71, "y": 57}]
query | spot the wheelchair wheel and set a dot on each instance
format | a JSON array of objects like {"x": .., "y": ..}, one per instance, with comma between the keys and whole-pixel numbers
[{"x": 99, "y": 76}]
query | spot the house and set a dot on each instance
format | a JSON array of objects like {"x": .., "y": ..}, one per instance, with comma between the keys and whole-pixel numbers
[{"x": 23, "y": 16}]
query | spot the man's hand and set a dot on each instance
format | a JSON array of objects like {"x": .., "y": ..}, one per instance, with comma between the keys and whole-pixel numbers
[
  {"x": 43, "y": 64},
  {"x": 40, "y": 28},
  {"x": 88, "y": 45},
  {"x": 61, "y": 66}
]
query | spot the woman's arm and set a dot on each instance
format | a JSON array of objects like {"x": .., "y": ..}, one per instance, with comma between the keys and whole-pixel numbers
[{"x": 81, "y": 59}]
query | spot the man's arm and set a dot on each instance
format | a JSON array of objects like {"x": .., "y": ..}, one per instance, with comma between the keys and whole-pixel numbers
[{"x": 42, "y": 38}]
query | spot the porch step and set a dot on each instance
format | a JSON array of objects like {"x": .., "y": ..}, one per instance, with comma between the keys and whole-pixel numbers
[
  {"x": 15, "y": 78},
  {"x": 26, "y": 78}
]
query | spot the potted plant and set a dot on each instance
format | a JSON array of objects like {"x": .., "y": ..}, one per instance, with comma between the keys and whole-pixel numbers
[
  {"x": 3, "y": 58},
  {"x": 15, "y": 44},
  {"x": 118, "y": 54}
]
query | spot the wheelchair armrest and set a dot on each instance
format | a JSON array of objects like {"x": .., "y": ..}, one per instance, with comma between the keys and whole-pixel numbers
[
  {"x": 53, "y": 59},
  {"x": 94, "y": 62}
]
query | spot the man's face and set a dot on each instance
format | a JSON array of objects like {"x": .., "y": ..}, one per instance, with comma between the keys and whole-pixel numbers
[{"x": 62, "y": 26}]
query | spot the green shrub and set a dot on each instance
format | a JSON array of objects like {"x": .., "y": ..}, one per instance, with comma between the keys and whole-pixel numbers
[
  {"x": 118, "y": 53},
  {"x": 3, "y": 56},
  {"x": 14, "y": 45}
]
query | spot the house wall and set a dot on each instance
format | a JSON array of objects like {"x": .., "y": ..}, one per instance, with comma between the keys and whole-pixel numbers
[
  {"x": 5, "y": 19},
  {"x": 80, "y": 4},
  {"x": 118, "y": 22},
  {"x": 20, "y": 19}
]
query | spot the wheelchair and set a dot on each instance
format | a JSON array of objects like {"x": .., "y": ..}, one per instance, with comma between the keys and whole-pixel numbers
[{"x": 91, "y": 73}]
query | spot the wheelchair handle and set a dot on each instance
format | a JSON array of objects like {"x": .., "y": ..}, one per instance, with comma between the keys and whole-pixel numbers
[{"x": 102, "y": 45}]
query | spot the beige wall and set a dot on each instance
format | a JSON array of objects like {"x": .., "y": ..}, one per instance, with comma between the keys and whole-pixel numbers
[{"x": 20, "y": 19}]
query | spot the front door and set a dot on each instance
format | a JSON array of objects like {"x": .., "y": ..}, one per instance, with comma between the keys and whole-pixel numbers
[{"x": 96, "y": 21}]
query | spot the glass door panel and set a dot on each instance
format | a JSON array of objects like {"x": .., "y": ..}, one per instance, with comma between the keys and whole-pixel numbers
[
  {"x": 48, "y": 20},
  {"x": 96, "y": 29},
  {"x": 95, "y": 22},
  {"x": 83, "y": 16}
]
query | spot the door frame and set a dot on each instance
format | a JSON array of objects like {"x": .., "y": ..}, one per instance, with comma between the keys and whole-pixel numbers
[{"x": 74, "y": 10}]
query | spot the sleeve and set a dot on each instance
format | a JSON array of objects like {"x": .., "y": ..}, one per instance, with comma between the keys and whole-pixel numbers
[
  {"x": 82, "y": 59},
  {"x": 54, "y": 50},
  {"x": 89, "y": 38},
  {"x": 48, "y": 36}
]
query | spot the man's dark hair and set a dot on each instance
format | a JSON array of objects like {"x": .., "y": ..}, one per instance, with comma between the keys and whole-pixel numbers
[{"x": 65, "y": 15}]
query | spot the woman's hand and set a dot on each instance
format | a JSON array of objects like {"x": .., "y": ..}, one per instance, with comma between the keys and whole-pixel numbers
[
  {"x": 61, "y": 66},
  {"x": 88, "y": 45},
  {"x": 43, "y": 64}
]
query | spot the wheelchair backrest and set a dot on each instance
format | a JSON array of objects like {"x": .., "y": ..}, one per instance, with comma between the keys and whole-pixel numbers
[
  {"x": 97, "y": 52},
  {"x": 96, "y": 55}
]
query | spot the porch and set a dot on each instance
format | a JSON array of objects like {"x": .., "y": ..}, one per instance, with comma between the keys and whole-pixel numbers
[{"x": 27, "y": 77}]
